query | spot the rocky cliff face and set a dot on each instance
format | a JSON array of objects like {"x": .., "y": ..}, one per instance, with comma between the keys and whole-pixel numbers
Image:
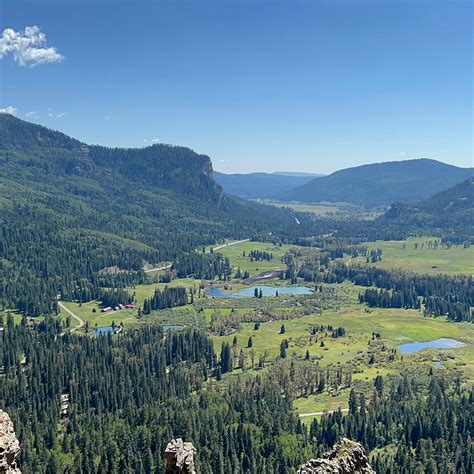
[
  {"x": 179, "y": 457},
  {"x": 9, "y": 446},
  {"x": 346, "y": 457}
]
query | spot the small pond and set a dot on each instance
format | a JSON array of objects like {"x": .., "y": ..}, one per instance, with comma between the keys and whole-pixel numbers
[
  {"x": 442, "y": 343},
  {"x": 104, "y": 330},
  {"x": 107, "y": 329},
  {"x": 266, "y": 291},
  {"x": 170, "y": 327}
]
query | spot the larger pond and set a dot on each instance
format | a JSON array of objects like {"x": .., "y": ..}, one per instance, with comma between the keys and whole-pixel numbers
[
  {"x": 266, "y": 291},
  {"x": 442, "y": 343}
]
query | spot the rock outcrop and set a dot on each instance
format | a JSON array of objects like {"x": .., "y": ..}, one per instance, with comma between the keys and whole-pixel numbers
[
  {"x": 179, "y": 457},
  {"x": 346, "y": 457},
  {"x": 9, "y": 446}
]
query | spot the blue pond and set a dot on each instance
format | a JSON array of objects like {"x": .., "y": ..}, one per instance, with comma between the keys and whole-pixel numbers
[
  {"x": 103, "y": 330},
  {"x": 266, "y": 291},
  {"x": 170, "y": 327},
  {"x": 442, "y": 343}
]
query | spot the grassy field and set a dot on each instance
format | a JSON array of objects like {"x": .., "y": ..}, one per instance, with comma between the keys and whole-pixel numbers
[
  {"x": 235, "y": 255},
  {"x": 85, "y": 312},
  {"x": 127, "y": 316},
  {"x": 396, "y": 326},
  {"x": 146, "y": 291},
  {"x": 339, "y": 210},
  {"x": 423, "y": 259}
]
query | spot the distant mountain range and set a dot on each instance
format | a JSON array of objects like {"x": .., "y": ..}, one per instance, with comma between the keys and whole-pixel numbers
[
  {"x": 380, "y": 184},
  {"x": 298, "y": 173},
  {"x": 261, "y": 185}
]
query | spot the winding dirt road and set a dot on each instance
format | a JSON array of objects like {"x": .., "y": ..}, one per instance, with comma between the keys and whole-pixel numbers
[{"x": 75, "y": 316}]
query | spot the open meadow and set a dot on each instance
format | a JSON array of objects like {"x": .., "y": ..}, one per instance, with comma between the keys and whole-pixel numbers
[
  {"x": 419, "y": 256},
  {"x": 357, "y": 351},
  {"x": 331, "y": 209},
  {"x": 395, "y": 326},
  {"x": 235, "y": 253}
]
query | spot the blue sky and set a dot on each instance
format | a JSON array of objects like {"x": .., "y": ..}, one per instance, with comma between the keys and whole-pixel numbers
[{"x": 257, "y": 85}]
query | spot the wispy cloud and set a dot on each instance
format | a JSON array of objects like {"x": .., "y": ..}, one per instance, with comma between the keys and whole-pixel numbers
[
  {"x": 57, "y": 115},
  {"x": 402, "y": 153},
  {"x": 31, "y": 114},
  {"x": 28, "y": 47},
  {"x": 9, "y": 110},
  {"x": 156, "y": 140}
]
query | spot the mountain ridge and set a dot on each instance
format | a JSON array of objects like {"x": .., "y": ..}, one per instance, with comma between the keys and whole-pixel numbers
[
  {"x": 70, "y": 210},
  {"x": 380, "y": 184},
  {"x": 452, "y": 208}
]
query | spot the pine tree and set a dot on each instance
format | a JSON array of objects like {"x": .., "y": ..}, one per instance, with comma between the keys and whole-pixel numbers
[{"x": 283, "y": 350}]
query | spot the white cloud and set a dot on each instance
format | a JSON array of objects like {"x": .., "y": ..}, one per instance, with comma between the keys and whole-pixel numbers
[
  {"x": 57, "y": 115},
  {"x": 402, "y": 153},
  {"x": 31, "y": 114},
  {"x": 28, "y": 47},
  {"x": 155, "y": 140},
  {"x": 145, "y": 140},
  {"x": 8, "y": 110}
]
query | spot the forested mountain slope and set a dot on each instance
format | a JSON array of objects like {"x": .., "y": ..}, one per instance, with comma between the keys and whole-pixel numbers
[
  {"x": 69, "y": 210},
  {"x": 452, "y": 209},
  {"x": 259, "y": 185},
  {"x": 381, "y": 184}
]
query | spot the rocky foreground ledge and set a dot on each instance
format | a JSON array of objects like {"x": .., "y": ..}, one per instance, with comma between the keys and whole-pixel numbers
[
  {"x": 9, "y": 446},
  {"x": 346, "y": 457}
]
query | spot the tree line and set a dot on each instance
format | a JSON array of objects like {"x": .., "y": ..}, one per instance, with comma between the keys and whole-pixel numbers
[{"x": 168, "y": 297}]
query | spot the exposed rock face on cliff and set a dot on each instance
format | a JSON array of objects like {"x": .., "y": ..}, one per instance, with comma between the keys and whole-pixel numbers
[
  {"x": 346, "y": 457},
  {"x": 179, "y": 457},
  {"x": 9, "y": 446}
]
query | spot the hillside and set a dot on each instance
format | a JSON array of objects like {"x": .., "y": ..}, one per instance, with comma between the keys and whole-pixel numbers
[
  {"x": 69, "y": 210},
  {"x": 381, "y": 184},
  {"x": 260, "y": 185},
  {"x": 452, "y": 210}
]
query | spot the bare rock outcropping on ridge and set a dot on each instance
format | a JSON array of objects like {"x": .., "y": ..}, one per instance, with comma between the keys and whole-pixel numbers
[
  {"x": 346, "y": 457},
  {"x": 9, "y": 446}
]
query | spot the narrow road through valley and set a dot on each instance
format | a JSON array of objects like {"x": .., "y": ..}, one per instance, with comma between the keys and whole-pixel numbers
[
  {"x": 77, "y": 318},
  {"x": 221, "y": 246},
  {"x": 165, "y": 267}
]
